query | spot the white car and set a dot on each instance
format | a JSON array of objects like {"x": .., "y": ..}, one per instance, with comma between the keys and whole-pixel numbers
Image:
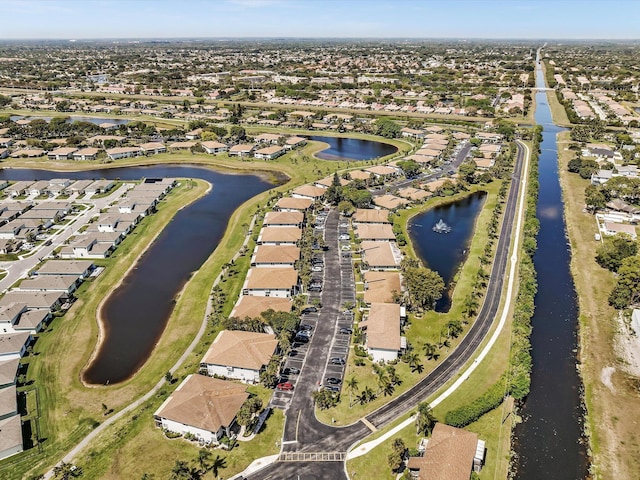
[
  {"x": 343, "y": 236},
  {"x": 346, "y": 248},
  {"x": 316, "y": 268}
]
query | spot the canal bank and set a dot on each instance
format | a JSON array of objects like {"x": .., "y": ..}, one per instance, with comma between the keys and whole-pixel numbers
[{"x": 550, "y": 443}]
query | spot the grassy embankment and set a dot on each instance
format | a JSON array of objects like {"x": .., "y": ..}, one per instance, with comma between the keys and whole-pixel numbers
[
  {"x": 614, "y": 440},
  {"x": 69, "y": 409}
]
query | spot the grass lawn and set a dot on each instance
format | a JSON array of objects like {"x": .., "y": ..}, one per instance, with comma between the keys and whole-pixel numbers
[
  {"x": 558, "y": 112},
  {"x": 420, "y": 330},
  {"x": 615, "y": 444},
  {"x": 136, "y": 433}
]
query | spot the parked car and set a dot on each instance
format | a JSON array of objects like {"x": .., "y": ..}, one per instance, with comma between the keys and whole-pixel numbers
[
  {"x": 305, "y": 326},
  {"x": 291, "y": 371},
  {"x": 293, "y": 353},
  {"x": 315, "y": 288},
  {"x": 337, "y": 361},
  {"x": 310, "y": 309},
  {"x": 344, "y": 236},
  {"x": 301, "y": 338},
  {"x": 346, "y": 248},
  {"x": 333, "y": 381},
  {"x": 304, "y": 333},
  {"x": 285, "y": 386},
  {"x": 346, "y": 331},
  {"x": 332, "y": 388},
  {"x": 344, "y": 224},
  {"x": 316, "y": 268}
]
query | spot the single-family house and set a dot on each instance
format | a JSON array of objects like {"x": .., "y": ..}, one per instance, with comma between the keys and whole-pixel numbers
[
  {"x": 39, "y": 188},
  {"x": 270, "y": 138},
  {"x": 382, "y": 329},
  {"x": 14, "y": 345},
  {"x": 11, "y": 438},
  {"x": 77, "y": 268},
  {"x": 294, "y": 142},
  {"x": 50, "y": 300},
  {"x": 8, "y": 402},
  {"x": 383, "y": 171},
  {"x": 50, "y": 283},
  {"x": 414, "y": 194},
  {"x": 239, "y": 355},
  {"x": 601, "y": 176},
  {"x": 326, "y": 182},
  {"x": 123, "y": 152},
  {"x": 451, "y": 454},
  {"x": 613, "y": 228},
  {"x": 9, "y": 372},
  {"x": 271, "y": 282},
  {"x": 203, "y": 407},
  {"x": 411, "y": 133}
]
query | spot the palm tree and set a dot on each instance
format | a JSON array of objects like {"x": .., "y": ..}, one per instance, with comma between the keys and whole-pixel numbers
[
  {"x": 218, "y": 463},
  {"x": 204, "y": 456},
  {"x": 425, "y": 420},
  {"x": 431, "y": 351},
  {"x": 352, "y": 386}
]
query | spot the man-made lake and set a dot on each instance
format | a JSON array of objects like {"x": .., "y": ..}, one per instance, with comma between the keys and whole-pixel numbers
[
  {"x": 549, "y": 443},
  {"x": 136, "y": 313},
  {"x": 445, "y": 252},
  {"x": 342, "y": 148}
]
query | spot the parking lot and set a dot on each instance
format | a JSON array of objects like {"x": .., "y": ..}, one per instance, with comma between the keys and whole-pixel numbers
[{"x": 336, "y": 287}]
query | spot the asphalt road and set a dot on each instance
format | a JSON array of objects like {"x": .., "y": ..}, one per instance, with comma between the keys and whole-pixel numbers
[{"x": 304, "y": 433}]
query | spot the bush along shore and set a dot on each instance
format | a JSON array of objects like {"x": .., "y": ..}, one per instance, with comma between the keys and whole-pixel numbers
[{"x": 515, "y": 381}]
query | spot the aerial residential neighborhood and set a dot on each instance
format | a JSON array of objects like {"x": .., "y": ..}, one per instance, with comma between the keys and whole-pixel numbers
[{"x": 260, "y": 239}]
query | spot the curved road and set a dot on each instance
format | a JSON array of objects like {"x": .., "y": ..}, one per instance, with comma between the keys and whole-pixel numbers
[{"x": 314, "y": 436}]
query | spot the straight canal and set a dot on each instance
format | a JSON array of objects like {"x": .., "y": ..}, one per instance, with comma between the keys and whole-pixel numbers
[
  {"x": 550, "y": 441},
  {"x": 136, "y": 312}
]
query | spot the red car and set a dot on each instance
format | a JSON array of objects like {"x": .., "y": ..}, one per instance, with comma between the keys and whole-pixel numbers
[{"x": 285, "y": 386}]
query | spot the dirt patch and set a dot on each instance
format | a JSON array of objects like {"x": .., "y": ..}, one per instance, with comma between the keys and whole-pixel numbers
[
  {"x": 627, "y": 347},
  {"x": 605, "y": 378}
]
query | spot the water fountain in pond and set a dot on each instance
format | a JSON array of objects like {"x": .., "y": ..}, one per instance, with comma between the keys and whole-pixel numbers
[{"x": 441, "y": 227}]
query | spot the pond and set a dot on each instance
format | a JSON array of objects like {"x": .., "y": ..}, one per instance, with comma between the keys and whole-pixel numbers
[
  {"x": 352, "y": 149},
  {"x": 136, "y": 313},
  {"x": 446, "y": 252}
]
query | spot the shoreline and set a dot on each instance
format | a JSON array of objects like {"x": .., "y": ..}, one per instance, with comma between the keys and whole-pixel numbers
[{"x": 99, "y": 316}]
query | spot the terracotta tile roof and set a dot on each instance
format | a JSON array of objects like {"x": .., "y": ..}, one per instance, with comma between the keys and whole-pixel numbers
[
  {"x": 359, "y": 175},
  {"x": 380, "y": 285},
  {"x": 280, "y": 234},
  {"x": 390, "y": 201},
  {"x": 252, "y": 307},
  {"x": 283, "y": 218},
  {"x": 271, "y": 278},
  {"x": 291, "y": 203},
  {"x": 449, "y": 454},
  {"x": 234, "y": 348},
  {"x": 309, "y": 191},
  {"x": 378, "y": 254},
  {"x": 381, "y": 170},
  {"x": 383, "y": 326},
  {"x": 204, "y": 402},
  {"x": 413, "y": 193},
  {"x": 369, "y": 215},
  {"x": 373, "y": 231},
  {"x": 276, "y": 254}
]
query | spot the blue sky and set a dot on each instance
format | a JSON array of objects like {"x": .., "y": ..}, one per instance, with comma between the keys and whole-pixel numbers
[{"x": 76, "y": 19}]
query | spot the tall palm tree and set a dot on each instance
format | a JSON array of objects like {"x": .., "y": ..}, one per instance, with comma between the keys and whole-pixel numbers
[
  {"x": 425, "y": 420},
  {"x": 352, "y": 386}
]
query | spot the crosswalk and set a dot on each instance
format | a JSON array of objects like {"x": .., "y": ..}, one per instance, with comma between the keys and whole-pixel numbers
[{"x": 312, "y": 457}]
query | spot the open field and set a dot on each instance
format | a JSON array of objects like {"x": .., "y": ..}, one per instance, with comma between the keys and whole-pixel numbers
[{"x": 614, "y": 439}]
